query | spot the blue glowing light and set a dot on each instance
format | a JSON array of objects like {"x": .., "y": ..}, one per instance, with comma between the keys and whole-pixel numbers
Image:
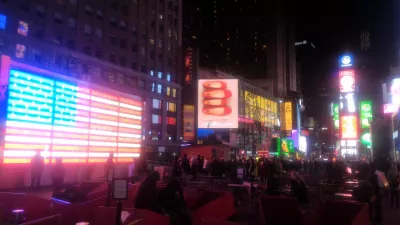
[
  {"x": 59, "y": 200},
  {"x": 346, "y": 61},
  {"x": 3, "y": 22}
]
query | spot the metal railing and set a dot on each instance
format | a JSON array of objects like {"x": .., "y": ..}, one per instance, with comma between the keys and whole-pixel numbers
[{"x": 45, "y": 219}]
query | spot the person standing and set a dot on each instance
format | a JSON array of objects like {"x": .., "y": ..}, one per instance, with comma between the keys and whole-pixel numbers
[
  {"x": 57, "y": 175},
  {"x": 393, "y": 178},
  {"x": 109, "y": 169},
  {"x": 185, "y": 165},
  {"x": 37, "y": 166}
]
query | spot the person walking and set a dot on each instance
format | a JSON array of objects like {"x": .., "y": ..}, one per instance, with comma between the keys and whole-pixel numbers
[
  {"x": 37, "y": 167},
  {"x": 393, "y": 178}
]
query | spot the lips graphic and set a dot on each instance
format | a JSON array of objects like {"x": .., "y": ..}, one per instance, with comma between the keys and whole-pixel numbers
[
  {"x": 217, "y": 94},
  {"x": 215, "y": 102},
  {"x": 214, "y": 85},
  {"x": 217, "y": 111}
]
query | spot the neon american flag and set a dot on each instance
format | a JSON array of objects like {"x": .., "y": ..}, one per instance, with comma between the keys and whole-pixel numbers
[{"x": 68, "y": 121}]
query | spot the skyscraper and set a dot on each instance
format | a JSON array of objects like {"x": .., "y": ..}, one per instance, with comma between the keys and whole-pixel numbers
[
  {"x": 254, "y": 39},
  {"x": 129, "y": 45}
]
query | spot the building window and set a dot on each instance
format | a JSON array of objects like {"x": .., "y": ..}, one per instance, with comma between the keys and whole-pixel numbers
[
  {"x": 3, "y": 22},
  {"x": 159, "y": 88},
  {"x": 71, "y": 44},
  {"x": 86, "y": 49},
  {"x": 156, "y": 119},
  {"x": 20, "y": 51},
  {"x": 113, "y": 21},
  {"x": 113, "y": 39},
  {"x": 152, "y": 54},
  {"x": 72, "y": 23},
  {"x": 134, "y": 31},
  {"x": 122, "y": 43},
  {"x": 171, "y": 121},
  {"x": 153, "y": 87},
  {"x": 112, "y": 58},
  {"x": 25, "y": 5},
  {"x": 40, "y": 11},
  {"x": 142, "y": 51},
  {"x": 169, "y": 48},
  {"x": 168, "y": 91},
  {"x": 141, "y": 83},
  {"x": 169, "y": 62},
  {"x": 98, "y": 54},
  {"x": 88, "y": 29},
  {"x": 134, "y": 65},
  {"x": 161, "y": 29},
  {"x": 171, "y": 107},
  {"x": 58, "y": 17},
  {"x": 99, "y": 33},
  {"x": 88, "y": 9},
  {"x": 159, "y": 74},
  {"x": 174, "y": 92},
  {"x": 143, "y": 68},
  {"x": 37, "y": 55},
  {"x": 152, "y": 73},
  {"x": 160, "y": 58},
  {"x": 160, "y": 43},
  {"x": 157, "y": 104},
  {"x": 152, "y": 24},
  {"x": 122, "y": 61},
  {"x": 122, "y": 25},
  {"x": 134, "y": 47},
  {"x": 23, "y": 28},
  {"x": 99, "y": 14},
  {"x": 169, "y": 32},
  {"x": 151, "y": 41},
  {"x": 168, "y": 77}
]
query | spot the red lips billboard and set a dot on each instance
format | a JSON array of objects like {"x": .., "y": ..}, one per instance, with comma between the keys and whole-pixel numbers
[{"x": 218, "y": 103}]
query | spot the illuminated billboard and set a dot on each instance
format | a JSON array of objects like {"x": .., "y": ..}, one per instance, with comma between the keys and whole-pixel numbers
[
  {"x": 188, "y": 123},
  {"x": 390, "y": 108},
  {"x": 285, "y": 146},
  {"x": 347, "y": 103},
  {"x": 349, "y": 129},
  {"x": 347, "y": 81},
  {"x": 366, "y": 139},
  {"x": 335, "y": 112},
  {"x": 394, "y": 92},
  {"x": 218, "y": 103},
  {"x": 288, "y": 116},
  {"x": 69, "y": 121},
  {"x": 365, "y": 113},
  {"x": 346, "y": 61}
]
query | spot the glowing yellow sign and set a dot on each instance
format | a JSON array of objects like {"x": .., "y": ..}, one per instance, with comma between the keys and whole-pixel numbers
[{"x": 288, "y": 116}]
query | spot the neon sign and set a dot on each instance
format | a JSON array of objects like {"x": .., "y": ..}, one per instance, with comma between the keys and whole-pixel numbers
[
  {"x": 346, "y": 61},
  {"x": 68, "y": 121}
]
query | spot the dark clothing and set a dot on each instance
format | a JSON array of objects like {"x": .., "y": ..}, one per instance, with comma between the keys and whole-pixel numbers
[
  {"x": 300, "y": 191},
  {"x": 57, "y": 176},
  {"x": 186, "y": 165},
  {"x": 37, "y": 166}
]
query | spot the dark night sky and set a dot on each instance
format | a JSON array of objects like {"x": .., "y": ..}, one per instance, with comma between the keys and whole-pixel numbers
[{"x": 334, "y": 26}]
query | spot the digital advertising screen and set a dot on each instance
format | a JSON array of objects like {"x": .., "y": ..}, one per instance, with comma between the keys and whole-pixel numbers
[
  {"x": 218, "y": 103},
  {"x": 347, "y": 81},
  {"x": 347, "y": 103},
  {"x": 349, "y": 129},
  {"x": 394, "y": 92},
  {"x": 366, "y": 114},
  {"x": 335, "y": 115},
  {"x": 188, "y": 123},
  {"x": 68, "y": 121}
]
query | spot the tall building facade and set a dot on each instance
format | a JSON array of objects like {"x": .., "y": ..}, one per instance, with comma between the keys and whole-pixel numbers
[
  {"x": 133, "y": 46},
  {"x": 255, "y": 39}
]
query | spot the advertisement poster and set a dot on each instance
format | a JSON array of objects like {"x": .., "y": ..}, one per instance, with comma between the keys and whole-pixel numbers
[
  {"x": 188, "y": 122},
  {"x": 349, "y": 127},
  {"x": 218, "y": 103},
  {"x": 365, "y": 114},
  {"x": 285, "y": 146},
  {"x": 288, "y": 116},
  {"x": 347, "y": 81},
  {"x": 336, "y": 115}
]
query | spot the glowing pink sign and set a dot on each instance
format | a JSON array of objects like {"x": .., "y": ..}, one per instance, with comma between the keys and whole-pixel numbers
[{"x": 390, "y": 108}]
